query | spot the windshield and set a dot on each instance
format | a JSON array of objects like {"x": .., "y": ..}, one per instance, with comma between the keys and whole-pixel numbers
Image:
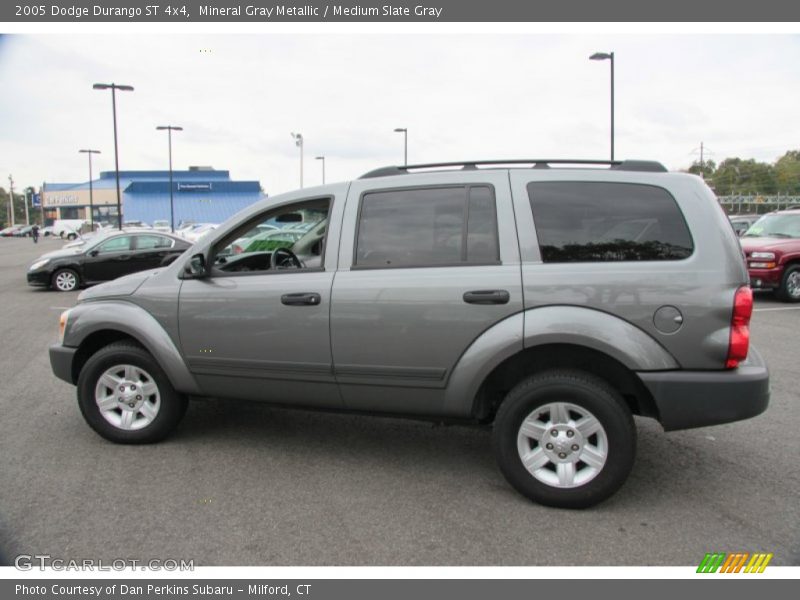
[{"x": 777, "y": 225}]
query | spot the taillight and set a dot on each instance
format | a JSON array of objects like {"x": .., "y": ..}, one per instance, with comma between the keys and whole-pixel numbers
[{"x": 740, "y": 327}]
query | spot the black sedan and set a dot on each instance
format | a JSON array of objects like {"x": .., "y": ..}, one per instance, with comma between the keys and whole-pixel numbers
[{"x": 104, "y": 258}]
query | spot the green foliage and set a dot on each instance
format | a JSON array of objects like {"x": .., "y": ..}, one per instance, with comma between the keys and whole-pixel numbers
[
  {"x": 748, "y": 177},
  {"x": 19, "y": 209}
]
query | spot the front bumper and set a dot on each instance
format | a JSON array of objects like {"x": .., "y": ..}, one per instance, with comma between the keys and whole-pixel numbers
[
  {"x": 61, "y": 358},
  {"x": 765, "y": 279},
  {"x": 39, "y": 278},
  {"x": 687, "y": 399}
]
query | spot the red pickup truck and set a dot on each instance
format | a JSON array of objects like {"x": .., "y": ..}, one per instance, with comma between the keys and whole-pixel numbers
[{"x": 772, "y": 249}]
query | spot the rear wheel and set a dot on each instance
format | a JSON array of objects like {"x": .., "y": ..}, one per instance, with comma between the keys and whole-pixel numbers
[
  {"x": 789, "y": 290},
  {"x": 126, "y": 397},
  {"x": 565, "y": 439}
]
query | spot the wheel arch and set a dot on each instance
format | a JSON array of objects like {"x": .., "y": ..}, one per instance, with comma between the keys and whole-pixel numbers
[
  {"x": 538, "y": 359},
  {"x": 554, "y": 337},
  {"x": 94, "y": 325}
]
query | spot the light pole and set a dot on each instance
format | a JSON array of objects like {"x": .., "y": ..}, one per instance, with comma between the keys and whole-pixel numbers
[
  {"x": 169, "y": 129},
  {"x": 322, "y": 158},
  {"x": 91, "y": 198},
  {"x": 114, "y": 87},
  {"x": 11, "y": 197},
  {"x": 404, "y": 131},
  {"x": 608, "y": 56},
  {"x": 298, "y": 141}
]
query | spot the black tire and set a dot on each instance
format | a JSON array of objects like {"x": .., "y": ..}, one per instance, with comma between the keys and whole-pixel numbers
[
  {"x": 71, "y": 236},
  {"x": 592, "y": 395},
  {"x": 172, "y": 405},
  {"x": 789, "y": 290},
  {"x": 65, "y": 280}
]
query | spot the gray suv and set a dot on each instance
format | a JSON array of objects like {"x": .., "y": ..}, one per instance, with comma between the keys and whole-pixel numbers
[{"x": 551, "y": 299}]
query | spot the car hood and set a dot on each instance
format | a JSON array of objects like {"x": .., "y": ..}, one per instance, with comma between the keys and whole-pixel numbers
[
  {"x": 122, "y": 286},
  {"x": 63, "y": 253},
  {"x": 768, "y": 243}
]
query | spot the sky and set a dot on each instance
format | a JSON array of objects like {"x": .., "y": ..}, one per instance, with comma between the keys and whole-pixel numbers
[{"x": 461, "y": 96}]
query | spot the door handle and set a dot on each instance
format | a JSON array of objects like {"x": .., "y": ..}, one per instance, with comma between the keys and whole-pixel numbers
[
  {"x": 301, "y": 299},
  {"x": 487, "y": 297},
  {"x": 124, "y": 257}
]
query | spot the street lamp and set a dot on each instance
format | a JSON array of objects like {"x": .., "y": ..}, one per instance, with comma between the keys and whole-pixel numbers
[
  {"x": 170, "y": 129},
  {"x": 404, "y": 131},
  {"x": 322, "y": 158},
  {"x": 298, "y": 141},
  {"x": 91, "y": 198},
  {"x": 608, "y": 56},
  {"x": 124, "y": 88}
]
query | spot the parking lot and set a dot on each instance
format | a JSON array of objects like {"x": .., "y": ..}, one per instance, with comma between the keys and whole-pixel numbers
[{"x": 246, "y": 484}]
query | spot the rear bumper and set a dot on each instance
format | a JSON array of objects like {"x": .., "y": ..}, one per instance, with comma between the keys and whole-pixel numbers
[
  {"x": 61, "y": 358},
  {"x": 687, "y": 399}
]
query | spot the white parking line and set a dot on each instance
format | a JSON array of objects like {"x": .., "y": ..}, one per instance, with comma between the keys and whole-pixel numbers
[{"x": 777, "y": 308}]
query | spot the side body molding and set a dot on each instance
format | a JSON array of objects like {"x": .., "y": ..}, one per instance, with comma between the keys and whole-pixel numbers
[
  {"x": 550, "y": 325},
  {"x": 136, "y": 322}
]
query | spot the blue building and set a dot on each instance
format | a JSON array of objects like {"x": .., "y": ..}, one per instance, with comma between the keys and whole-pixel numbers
[{"x": 201, "y": 194}]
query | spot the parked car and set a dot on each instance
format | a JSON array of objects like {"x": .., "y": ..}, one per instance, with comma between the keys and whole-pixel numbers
[
  {"x": 23, "y": 231},
  {"x": 198, "y": 230},
  {"x": 510, "y": 296},
  {"x": 742, "y": 223},
  {"x": 772, "y": 249},
  {"x": 10, "y": 231},
  {"x": 162, "y": 225},
  {"x": 103, "y": 258},
  {"x": 46, "y": 231}
]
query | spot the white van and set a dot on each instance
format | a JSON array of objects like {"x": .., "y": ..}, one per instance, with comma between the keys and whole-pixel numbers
[{"x": 68, "y": 228}]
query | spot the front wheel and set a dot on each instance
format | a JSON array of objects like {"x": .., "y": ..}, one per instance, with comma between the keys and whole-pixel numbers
[
  {"x": 789, "y": 290},
  {"x": 565, "y": 439},
  {"x": 126, "y": 397},
  {"x": 65, "y": 280}
]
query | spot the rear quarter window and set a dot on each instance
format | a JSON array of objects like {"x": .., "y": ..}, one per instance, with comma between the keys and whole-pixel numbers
[{"x": 607, "y": 222}]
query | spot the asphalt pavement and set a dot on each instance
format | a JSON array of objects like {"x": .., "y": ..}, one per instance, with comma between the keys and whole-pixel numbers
[{"x": 246, "y": 484}]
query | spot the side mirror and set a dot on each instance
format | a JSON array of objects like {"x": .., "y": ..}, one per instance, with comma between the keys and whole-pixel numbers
[
  {"x": 196, "y": 267},
  {"x": 94, "y": 252}
]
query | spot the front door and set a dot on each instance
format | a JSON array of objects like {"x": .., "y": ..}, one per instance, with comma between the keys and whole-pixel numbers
[
  {"x": 111, "y": 259},
  {"x": 258, "y": 326}
]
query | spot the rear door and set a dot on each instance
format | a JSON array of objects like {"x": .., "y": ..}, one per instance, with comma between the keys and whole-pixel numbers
[
  {"x": 110, "y": 259},
  {"x": 426, "y": 265},
  {"x": 150, "y": 250}
]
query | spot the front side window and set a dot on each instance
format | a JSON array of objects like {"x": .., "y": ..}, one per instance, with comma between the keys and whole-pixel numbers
[
  {"x": 427, "y": 227},
  {"x": 607, "y": 222},
  {"x": 289, "y": 237}
]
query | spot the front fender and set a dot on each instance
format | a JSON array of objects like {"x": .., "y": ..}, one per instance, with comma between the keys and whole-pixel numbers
[{"x": 128, "y": 318}]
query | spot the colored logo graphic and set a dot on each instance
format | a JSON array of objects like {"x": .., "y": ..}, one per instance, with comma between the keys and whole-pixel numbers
[{"x": 735, "y": 562}]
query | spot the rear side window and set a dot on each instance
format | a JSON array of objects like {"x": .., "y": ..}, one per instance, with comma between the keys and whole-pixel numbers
[
  {"x": 428, "y": 227},
  {"x": 607, "y": 222},
  {"x": 152, "y": 242}
]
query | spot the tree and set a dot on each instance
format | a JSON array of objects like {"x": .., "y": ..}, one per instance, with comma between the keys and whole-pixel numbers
[{"x": 787, "y": 173}]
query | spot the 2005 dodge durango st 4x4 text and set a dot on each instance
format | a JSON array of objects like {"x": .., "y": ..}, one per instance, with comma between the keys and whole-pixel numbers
[{"x": 550, "y": 299}]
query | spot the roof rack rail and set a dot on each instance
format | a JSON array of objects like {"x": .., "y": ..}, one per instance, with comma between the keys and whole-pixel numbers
[{"x": 536, "y": 163}]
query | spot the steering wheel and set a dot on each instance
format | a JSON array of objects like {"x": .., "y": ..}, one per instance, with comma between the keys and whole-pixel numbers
[{"x": 283, "y": 258}]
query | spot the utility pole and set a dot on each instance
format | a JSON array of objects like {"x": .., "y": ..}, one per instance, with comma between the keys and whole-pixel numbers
[
  {"x": 702, "y": 166},
  {"x": 11, "y": 197}
]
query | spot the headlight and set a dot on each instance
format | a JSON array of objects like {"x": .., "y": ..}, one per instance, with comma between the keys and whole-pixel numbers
[
  {"x": 39, "y": 264},
  {"x": 766, "y": 255},
  {"x": 62, "y": 325}
]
